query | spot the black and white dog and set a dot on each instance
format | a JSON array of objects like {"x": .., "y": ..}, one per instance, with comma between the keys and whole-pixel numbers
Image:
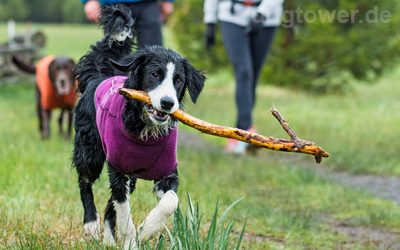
[{"x": 137, "y": 140}]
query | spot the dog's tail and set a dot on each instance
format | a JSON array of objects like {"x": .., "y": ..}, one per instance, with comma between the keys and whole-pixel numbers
[
  {"x": 117, "y": 42},
  {"x": 28, "y": 68}
]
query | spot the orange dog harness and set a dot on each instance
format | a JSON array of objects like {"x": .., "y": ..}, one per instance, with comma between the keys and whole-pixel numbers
[{"x": 49, "y": 97}]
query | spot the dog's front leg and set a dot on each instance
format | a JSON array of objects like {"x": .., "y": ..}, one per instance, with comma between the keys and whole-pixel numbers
[
  {"x": 168, "y": 202},
  {"x": 120, "y": 189}
]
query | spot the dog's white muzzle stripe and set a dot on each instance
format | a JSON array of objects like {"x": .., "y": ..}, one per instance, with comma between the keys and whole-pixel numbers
[{"x": 165, "y": 89}]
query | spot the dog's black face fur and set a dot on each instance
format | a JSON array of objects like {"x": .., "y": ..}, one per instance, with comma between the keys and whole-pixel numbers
[{"x": 165, "y": 76}]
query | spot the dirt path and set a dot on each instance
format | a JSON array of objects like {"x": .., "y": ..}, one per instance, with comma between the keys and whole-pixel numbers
[{"x": 387, "y": 187}]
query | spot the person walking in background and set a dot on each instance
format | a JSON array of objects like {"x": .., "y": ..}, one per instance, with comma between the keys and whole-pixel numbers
[
  {"x": 248, "y": 28},
  {"x": 148, "y": 15}
]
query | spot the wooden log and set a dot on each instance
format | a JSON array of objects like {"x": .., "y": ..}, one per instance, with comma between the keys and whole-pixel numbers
[{"x": 293, "y": 145}]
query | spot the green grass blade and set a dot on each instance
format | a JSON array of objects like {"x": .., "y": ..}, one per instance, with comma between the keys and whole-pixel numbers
[{"x": 227, "y": 210}]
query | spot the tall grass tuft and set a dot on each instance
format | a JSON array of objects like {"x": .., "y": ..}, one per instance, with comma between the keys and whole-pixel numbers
[{"x": 187, "y": 231}]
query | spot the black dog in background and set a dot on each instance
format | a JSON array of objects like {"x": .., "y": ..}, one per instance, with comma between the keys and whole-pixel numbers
[
  {"x": 55, "y": 88},
  {"x": 110, "y": 127}
]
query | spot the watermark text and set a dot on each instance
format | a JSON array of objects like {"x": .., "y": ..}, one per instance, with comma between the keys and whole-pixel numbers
[{"x": 290, "y": 17}]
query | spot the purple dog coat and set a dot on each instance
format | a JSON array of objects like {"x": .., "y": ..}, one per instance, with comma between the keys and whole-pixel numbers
[{"x": 153, "y": 159}]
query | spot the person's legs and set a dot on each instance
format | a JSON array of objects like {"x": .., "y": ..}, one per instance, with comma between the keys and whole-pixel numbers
[
  {"x": 147, "y": 23},
  {"x": 237, "y": 45},
  {"x": 260, "y": 45}
]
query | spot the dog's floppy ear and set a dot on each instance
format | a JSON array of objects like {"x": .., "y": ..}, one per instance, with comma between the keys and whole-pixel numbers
[
  {"x": 133, "y": 65},
  {"x": 52, "y": 71},
  {"x": 194, "y": 80},
  {"x": 72, "y": 62}
]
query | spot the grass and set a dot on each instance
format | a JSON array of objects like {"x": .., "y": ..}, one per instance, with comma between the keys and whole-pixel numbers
[
  {"x": 359, "y": 128},
  {"x": 285, "y": 205},
  {"x": 188, "y": 233}
]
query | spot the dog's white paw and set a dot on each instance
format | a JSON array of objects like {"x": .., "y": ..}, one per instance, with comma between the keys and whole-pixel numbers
[
  {"x": 155, "y": 220},
  {"x": 92, "y": 229}
]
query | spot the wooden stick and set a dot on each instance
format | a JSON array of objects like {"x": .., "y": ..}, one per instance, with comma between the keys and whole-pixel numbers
[
  {"x": 283, "y": 123},
  {"x": 293, "y": 145}
]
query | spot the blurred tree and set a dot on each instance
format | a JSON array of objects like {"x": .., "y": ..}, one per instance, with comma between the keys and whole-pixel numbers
[
  {"x": 46, "y": 10},
  {"x": 53, "y": 11},
  {"x": 72, "y": 12},
  {"x": 188, "y": 29},
  {"x": 13, "y": 9},
  {"x": 320, "y": 43}
]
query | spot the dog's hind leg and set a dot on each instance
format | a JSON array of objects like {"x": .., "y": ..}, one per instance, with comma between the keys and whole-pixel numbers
[
  {"x": 91, "y": 218},
  {"x": 110, "y": 217},
  {"x": 60, "y": 122},
  {"x": 88, "y": 159},
  {"x": 121, "y": 186},
  {"x": 70, "y": 120},
  {"x": 168, "y": 202},
  {"x": 46, "y": 117}
]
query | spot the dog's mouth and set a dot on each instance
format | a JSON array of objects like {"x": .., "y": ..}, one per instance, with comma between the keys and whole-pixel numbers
[
  {"x": 62, "y": 92},
  {"x": 157, "y": 116}
]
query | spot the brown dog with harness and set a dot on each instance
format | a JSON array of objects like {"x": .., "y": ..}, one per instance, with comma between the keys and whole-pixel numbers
[{"x": 55, "y": 88}]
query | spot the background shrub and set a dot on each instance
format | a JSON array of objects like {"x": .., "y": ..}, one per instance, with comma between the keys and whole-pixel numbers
[{"x": 46, "y": 11}]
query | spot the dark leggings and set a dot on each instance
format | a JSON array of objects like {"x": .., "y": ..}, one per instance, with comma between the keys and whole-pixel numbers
[
  {"x": 147, "y": 22},
  {"x": 247, "y": 54}
]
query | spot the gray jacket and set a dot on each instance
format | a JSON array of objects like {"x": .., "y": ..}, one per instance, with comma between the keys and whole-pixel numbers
[{"x": 242, "y": 14}]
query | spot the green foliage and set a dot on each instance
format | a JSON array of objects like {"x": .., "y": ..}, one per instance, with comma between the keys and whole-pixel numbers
[
  {"x": 321, "y": 52},
  {"x": 188, "y": 28},
  {"x": 311, "y": 54},
  {"x": 13, "y": 9},
  {"x": 55, "y": 11},
  {"x": 46, "y": 11},
  {"x": 72, "y": 12}
]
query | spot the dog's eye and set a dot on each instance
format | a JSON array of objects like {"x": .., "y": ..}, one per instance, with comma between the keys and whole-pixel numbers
[
  {"x": 154, "y": 74},
  {"x": 178, "y": 81}
]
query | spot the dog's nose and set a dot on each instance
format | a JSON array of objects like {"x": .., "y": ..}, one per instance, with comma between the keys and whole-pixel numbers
[
  {"x": 62, "y": 82},
  {"x": 167, "y": 103}
]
